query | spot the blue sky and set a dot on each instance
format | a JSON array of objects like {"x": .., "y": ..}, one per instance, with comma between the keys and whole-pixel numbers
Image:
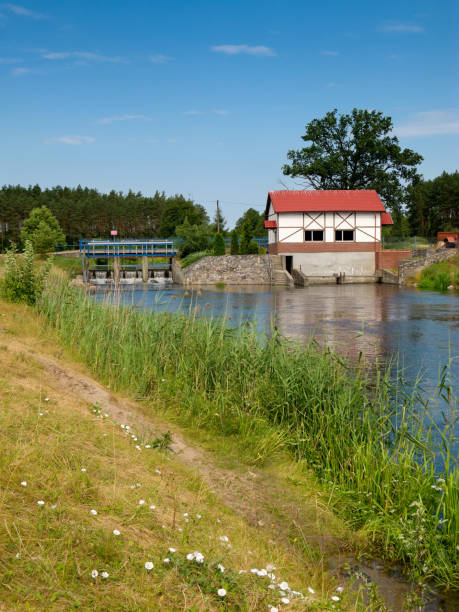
[{"x": 205, "y": 98}]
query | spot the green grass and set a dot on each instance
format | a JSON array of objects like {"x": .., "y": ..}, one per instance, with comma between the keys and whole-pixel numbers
[
  {"x": 76, "y": 460},
  {"x": 364, "y": 437},
  {"x": 439, "y": 276},
  {"x": 401, "y": 244},
  {"x": 71, "y": 265},
  {"x": 192, "y": 257}
]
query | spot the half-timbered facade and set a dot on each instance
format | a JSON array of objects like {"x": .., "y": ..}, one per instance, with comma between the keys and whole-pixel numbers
[{"x": 326, "y": 233}]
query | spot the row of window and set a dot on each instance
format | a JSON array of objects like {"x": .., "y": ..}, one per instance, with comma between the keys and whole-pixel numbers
[{"x": 318, "y": 235}]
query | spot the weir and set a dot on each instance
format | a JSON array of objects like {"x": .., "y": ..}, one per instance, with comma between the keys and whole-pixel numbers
[{"x": 115, "y": 260}]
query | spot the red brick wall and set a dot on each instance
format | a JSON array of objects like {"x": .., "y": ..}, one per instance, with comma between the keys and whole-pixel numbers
[
  {"x": 452, "y": 236},
  {"x": 279, "y": 248},
  {"x": 389, "y": 259}
]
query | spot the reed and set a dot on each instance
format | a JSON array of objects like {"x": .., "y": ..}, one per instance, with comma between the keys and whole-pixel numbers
[{"x": 369, "y": 441}]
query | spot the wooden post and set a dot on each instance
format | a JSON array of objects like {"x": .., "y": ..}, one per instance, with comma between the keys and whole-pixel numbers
[
  {"x": 144, "y": 269},
  {"x": 85, "y": 270},
  {"x": 116, "y": 269}
]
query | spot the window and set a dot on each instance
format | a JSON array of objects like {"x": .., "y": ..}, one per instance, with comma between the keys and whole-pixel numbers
[
  {"x": 341, "y": 235},
  {"x": 314, "y": 235}
]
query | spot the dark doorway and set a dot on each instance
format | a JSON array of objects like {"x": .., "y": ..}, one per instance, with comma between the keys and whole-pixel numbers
[{"x": 289, "y": 263}]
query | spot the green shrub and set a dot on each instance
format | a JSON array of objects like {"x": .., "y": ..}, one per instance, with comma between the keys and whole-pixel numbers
[
  {"x": 253, "y": 248},
  {"x": 192, "y": 257},
  {"x": 261, "y": 251},
  {"x": 234, "y": 243},
  {"x": 42, "y": 229},
  {"x": 22, "y": 281},
  {"x": 219, "y": 244}
]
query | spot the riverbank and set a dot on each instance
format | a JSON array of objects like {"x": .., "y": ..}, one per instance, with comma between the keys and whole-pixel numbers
[
  {"x": 269, "y": 399},
  {"x": 440, "y": 276},
  {"x": 100, "y": 464}
]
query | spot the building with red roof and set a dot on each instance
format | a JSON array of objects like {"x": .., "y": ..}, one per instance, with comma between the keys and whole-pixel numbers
[{"x": 326, "y": 234}]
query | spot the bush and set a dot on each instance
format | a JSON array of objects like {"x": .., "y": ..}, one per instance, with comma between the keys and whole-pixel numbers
[
  {"x": 234, "y": 243},
  {"x": 22, "y": 282},
  {"x": 261, "y": 251},
  {"x": 219, "y": 245},
  {"x": 253, "y": 248},
  {"x": 42, "y": 229},
  {"x": 195, "y": 238},
  {"x": 192, "y": 257}
]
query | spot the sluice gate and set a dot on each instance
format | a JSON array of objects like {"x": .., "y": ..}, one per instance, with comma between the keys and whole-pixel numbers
[{"x": 126, "y": 259}]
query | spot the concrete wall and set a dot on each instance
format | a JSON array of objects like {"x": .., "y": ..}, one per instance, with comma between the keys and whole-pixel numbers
[{"x": 328, "y": 264}]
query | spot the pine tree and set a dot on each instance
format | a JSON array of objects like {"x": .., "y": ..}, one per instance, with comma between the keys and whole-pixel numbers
[
  {"x": 234, "y": 243},
  {"x": 219, "y": 244}
]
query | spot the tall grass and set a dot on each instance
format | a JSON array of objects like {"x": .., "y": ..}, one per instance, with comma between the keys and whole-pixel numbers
[
  {"x": 439, "y": 276},
  {"x": 365, "y": 438}
]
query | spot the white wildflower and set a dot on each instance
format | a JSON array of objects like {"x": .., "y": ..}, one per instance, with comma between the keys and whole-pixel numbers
[
  {"x": 158, "y": 471},
  {"x": 105, "y": 574},
  {"x": 24, "y": 483},
  {"x": 141, "y": 502},
  {"x": 311, "y": 590},
  {"x": 221, "y": 592},
  {"x": 152, "y": 507},
  {"x": 340, "y": 589},
  {"x": 198, "y": 516},
  {"x": 335, "y": 597},
  {"x": 94, "y": 512},
  {"x": 224, "y": 539},
  {"x": 83, "y": 470},
  {"x": 116, "y": 532},
  {"x": 40, "y": 502},
  {"x": 149, "y": 566},
  {"x": 94, "y": 573},
  {"x": 283, "y": 586},
  {"x": 147, "y": 445},
  {"x": 221, "y": 568},
  {"x": 166, "y": 560},
  {"x": 190, "y": 556},
  {"x": 273, "y": 609},
  {"x": 285, "y": 600},
  {"x": 172, "y": 550},
  {"x": 54, "y": 506},
  {"x": 185, "y": 514},
  {"x": 46, "y": 399}
]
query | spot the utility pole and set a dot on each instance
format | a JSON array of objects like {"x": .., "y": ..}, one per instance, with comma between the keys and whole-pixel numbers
[{"x": 218, "y": 219}]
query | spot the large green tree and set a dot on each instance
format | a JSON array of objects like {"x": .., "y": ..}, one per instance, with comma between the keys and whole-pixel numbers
[
  {"x": 42, "y": 229},
  {"x": 255, "y": 221},
  {"x": 195, "y": 238},
  {"x": 175, "y": 213},
  {"x": 433, "y": 205},
  {"x": 355, "y": 151}
]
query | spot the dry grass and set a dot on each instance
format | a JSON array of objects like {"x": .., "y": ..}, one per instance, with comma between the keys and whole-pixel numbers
[{"x": 47, "y": 553}]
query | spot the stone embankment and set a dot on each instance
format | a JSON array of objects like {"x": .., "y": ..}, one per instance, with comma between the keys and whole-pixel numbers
[
  {"x": 233, "y": 270},
  {"x": 420, "y": 260}
]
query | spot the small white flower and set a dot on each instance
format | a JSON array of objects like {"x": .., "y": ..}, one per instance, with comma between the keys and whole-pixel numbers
[
  {"x": 40, "y": 502},
  {"x": 147, "y": 445},
  {"x": 122, "y": 426},
  {"x": 172, "y": 550},
  {"x": 54, "y": 506},
  {"x": 24, "y": 483},
  {"x": 149, "y": 566},
  {"x": 254, "y": 570},
  {"x": 185, "y": 514},
  {"x": 166, "y": 560},
  {"x": 273, "y": 609},
  {"x": 127, "y": 427},
  {"x": 158, "y": 471},
  {"x": 141, "y": 502},
  {"x": 283, "y": 586},
  {"x": 179, "y": 529},
  {"x": 198, "y": 516},
  {"x": 221, "y": 568},
  {"x": 116, "y": 532},
  {"x": 221, "y": 592},
  {"x": 224, "y": 539},
  {"x": 94, "y": 573},
  {"x": 163, "y": 380},
  {"x": 262, "y": 572},
  {"x": 18, "y": 555},
  {"x": 218, "y": 521},
  {"x": 105, "y": 574},
  {"x": 41, "y": 414},
  {"x": 46, "y": 399},
  {"x": 152, "y": 507},
  {"x": 335, "y": 598},
  {"x": 340, "y": 589},
  {"x": 190, "y": 556},
  {"x": 285, "y": 600},
  {"x": 83, "y": 470},
  {"x": 137, "y": 484},
  {"x": 94, "y": 512},
  {"x": 199, "y": 557},
  {"x": 311, "y": 590},
  {"x": 138, "y": 447}
]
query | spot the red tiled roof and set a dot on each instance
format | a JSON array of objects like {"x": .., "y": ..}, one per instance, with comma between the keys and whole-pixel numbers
[
  {"x": 386, "y": 219},
  {"x": 325, "y": 201},
  {"x": 270, "y": 224}
]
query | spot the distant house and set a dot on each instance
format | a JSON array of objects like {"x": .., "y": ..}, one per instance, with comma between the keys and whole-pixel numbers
[{"x": 326, "y": 233}]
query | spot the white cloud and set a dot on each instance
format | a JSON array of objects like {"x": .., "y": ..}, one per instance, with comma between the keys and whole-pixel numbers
[
  {"x": 72, "y": 140},
  {"x": 10, "y": 60},
  {"x": 330, "y": 53},
  {"x": 430, "y": 123},
  {"x": 82, "y": 55},
  {"x": 107, "y": 120},
  {"x": 159, "y": 58},
  {"x": 258, "y": 50},
  {"x": 20, "y": 71},
  {"x": 22, "y": 11},
  {"x": 402, "y": 27}
]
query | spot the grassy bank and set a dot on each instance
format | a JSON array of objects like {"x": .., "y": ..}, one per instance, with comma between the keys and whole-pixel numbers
[
  {"x": 271, "y": 397},
  {"x": 439, "y": 276},
  {"x": 95, "y": 477}
]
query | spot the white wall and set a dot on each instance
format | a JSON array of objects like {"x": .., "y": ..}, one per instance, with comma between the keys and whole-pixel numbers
[
  {"x": 367, "y": 226},
  {"x": 328, "y": 264}
]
